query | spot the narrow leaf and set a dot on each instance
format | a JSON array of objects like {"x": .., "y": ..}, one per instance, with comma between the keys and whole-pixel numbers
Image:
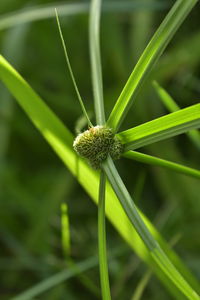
[
  {"x": 155, "y": 161},
  {"x": 154, "y": 49},
  {"x": 161, "y": 128}
]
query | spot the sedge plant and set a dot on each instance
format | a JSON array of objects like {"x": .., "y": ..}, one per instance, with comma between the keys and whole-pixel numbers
[{"x": 101, "y": 143}]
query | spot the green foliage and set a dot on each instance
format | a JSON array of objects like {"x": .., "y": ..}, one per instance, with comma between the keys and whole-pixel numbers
[{"x": 34, "y": 242}]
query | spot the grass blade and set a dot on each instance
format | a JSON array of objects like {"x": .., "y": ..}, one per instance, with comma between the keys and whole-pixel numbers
[
  {"x": 60, "y": 139},
  {"x": 149, "y": 57},
  {"x": 170, "y": 104},
  {"x": 128, "y": 204},
  {"x": 95, "y": 58},
  {"x": 70, "y": 70},
  {"x": 161, "y": 128},
  {"x": 157, "y": 253},
  {"x": 155, "y": 161},
  {"x": 104, "y": 277}
]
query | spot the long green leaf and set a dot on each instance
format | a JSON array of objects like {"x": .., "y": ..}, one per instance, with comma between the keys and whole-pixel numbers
[
  {"x": 42, "y": 12},
  {"x": 61, "y": 141},
  {"x": 95, "y": 57},
  {"x": 154, "y": 49},
  {"x": 170, "y": 104},
  {"x": 161, "y": 128},
  {"x": 155, "y": 161}
]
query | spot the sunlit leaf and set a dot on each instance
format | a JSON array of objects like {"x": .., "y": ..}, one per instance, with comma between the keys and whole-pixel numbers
[{"x": 161, "y": 128}]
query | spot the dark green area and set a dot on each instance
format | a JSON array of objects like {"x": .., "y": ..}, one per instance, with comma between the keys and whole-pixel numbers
[{"x": 33, "y": 181}]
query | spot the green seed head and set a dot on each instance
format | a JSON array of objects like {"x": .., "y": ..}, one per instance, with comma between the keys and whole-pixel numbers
[{"x": 96, "y": 143}]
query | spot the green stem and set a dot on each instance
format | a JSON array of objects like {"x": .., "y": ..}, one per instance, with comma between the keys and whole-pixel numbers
[
  {"x": 158, "y": 255},
  {"x": 128, "y": 204},
  {"x": 95, "y": 57},
  {"x": 104, "y": 278},
  {"x": 71, "y": 72}
]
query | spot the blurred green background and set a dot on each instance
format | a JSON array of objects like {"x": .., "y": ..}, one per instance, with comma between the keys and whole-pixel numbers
[{"x": 33, "y": 181}]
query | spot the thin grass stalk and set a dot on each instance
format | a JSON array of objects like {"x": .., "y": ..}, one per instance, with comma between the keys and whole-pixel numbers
[{"x": 71, "y": 72}]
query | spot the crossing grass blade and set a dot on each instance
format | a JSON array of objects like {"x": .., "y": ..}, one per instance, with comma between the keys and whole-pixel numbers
[
  {"x": 171, "y": 105},
  {"x": 154, "y": 49},
  {"x": 60, "y": 139},
  {"x": 155, "y": 161},
  {"x": 161, "y": 128}
]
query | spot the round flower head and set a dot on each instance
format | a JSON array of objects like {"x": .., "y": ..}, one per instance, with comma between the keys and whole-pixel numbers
[{"x": 96, "y": 143}]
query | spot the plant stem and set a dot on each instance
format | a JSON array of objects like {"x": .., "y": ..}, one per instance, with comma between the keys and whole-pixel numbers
[
  {"x": 71, "y": 72},
  {"x": 154, "y": 248},
  {"x": 104, "y": 278},
  {"x": 95, "y": 57},
  {"x": 128, "y": 204}
]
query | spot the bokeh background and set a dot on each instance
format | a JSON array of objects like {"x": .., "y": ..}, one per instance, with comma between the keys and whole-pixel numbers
[{"x": 34, "y": 182}]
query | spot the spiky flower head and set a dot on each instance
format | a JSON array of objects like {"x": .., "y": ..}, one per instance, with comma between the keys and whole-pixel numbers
[{"x": 96, "y": 143}]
